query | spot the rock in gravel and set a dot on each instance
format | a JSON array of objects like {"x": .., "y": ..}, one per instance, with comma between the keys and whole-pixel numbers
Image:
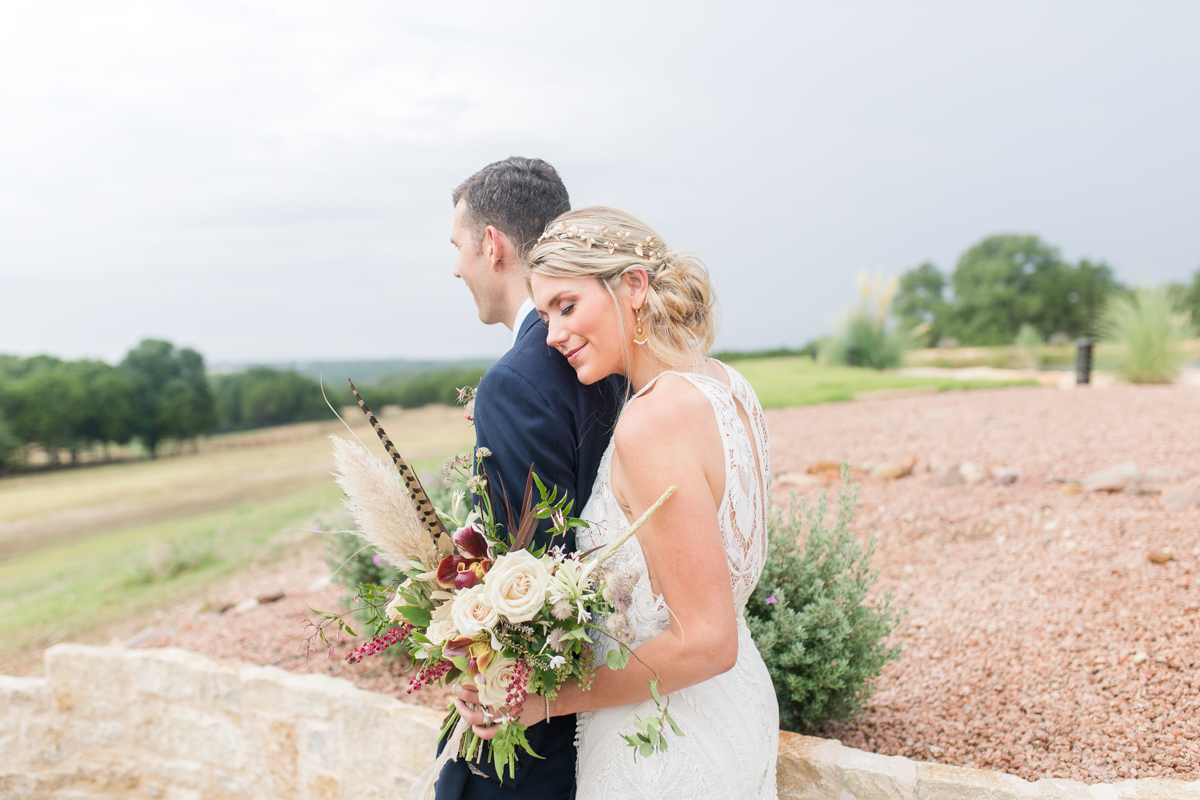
[
  {"x": 972, "y": 473},
  {"x": 246, "y": 605},
  {"x": 801, "y": 480},
  {"x": 1113, "y": 479},
  {"x": 951, "y": 477},
  {"x": 1161, "y": 555},
  {"x": 1161, "y": 476},
  {"x": 890, "y": 471},
  {"x": 1177, "y": 498},
  {"x": 1005, "y": 476}
]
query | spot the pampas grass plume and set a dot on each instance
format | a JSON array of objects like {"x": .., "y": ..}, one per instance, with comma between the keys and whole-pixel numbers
[{"x": 381, "y": 506}]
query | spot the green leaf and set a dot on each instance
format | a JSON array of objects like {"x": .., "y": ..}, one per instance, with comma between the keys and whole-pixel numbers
[
  {"x": 646, "y": 749},
  {"x": 618, "y": 659},
  {"x": 417, "y": 616},
  {"x": 671, "y": 722},
  {"x": 654, "y": 692}
]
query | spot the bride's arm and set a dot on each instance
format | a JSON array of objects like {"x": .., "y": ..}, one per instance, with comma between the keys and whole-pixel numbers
[{"x": 668, "y": 437}]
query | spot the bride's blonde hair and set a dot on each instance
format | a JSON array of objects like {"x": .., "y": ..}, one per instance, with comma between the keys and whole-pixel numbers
[{"x": 679, "y": 314}]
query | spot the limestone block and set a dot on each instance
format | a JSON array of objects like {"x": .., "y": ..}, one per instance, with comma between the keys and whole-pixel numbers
[
  {"x": 867, "y": 776},
  {"x": 10, "y": 742},
  {"x": 1157, "y": 789},
  {"x": 412, "y": 734},
  {"x": 178, "y": 676},
  {"x": 205, "y": 737},
  {"x": 23, "y": 695},
  {"x": 276, "y": 739},
  {"x": 42, "y": 742},
  {"x": 360, "y": 718},
  {"x": 320, "y": 745},
  {"x": 807, "y": 768},
  {"x": 179, "y": 772},
  {"x": 325, "y": 787},
  {"x": 230, "y": 784},
  {"x": 17, "y": 786},
  {"x": 89, "y": 681},
  {"x": 941, "y": 782},
  {"x": 93, "y": 732},
  {"x": 1061, "y": 789}
]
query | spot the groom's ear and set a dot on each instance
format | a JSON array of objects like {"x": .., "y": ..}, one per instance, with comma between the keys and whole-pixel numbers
[{"x": 497, "y": 248}]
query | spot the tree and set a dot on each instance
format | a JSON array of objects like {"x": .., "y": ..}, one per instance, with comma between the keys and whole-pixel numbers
[
  {"x": 921, "y": 301},
  {"x": 994, "y": 288},
  {"x": 109, "y": 404},
  {"x": 173, "y": 397},
  {"x": 46, "y": 407}
]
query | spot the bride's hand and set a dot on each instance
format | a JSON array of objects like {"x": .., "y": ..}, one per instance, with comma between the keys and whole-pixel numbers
[{"x": 483, "y": 720}]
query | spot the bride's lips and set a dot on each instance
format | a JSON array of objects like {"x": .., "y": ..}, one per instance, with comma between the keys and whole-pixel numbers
[{"x": 573, "y": 354}]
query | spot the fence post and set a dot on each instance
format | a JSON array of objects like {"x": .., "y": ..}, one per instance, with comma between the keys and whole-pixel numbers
[
  {"x": 852, "y": 356},
  {"x": 1083, "y": 362}
]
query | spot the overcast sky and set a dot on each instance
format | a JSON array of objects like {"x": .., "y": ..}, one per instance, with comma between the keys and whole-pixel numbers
[{"x": 270, "y": 181}]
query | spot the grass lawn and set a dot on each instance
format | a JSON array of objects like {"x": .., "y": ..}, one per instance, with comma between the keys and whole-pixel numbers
[
  {"x": 800, "y": 381},
  {"x": 53, "y": 593},
  {"x": 83, "y": 548}
]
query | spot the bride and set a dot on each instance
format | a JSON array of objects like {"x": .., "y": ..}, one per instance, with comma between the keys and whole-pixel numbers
[{"x": 618, "y": 301}]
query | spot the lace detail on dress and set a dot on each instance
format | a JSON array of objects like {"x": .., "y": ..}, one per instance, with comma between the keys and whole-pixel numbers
[{"x": 731, "y": 722}]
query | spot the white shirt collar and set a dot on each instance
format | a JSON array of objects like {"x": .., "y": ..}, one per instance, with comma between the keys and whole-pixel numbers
[{"x": 522, "y": 313}]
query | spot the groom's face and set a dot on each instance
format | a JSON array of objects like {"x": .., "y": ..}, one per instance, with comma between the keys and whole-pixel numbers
[{"x": 474, "y": 266}]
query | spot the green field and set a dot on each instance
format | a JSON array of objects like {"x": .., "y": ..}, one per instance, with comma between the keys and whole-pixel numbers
[
  {"x": 82, "y": 549},
  {"x": 800, "y": 381}
]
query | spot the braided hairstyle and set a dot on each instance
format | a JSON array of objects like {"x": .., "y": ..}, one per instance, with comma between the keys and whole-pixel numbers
[{"x": 679, "y": 314}]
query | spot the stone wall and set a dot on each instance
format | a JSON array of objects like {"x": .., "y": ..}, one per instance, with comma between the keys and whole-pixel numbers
[{"x": 109, "y": 722}]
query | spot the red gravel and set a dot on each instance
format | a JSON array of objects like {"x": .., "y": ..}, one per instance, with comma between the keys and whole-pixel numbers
[{"x": 1028, "y": 607}]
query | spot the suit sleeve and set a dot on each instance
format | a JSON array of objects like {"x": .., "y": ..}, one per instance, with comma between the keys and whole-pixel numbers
[{"x": 522, "y": 428}]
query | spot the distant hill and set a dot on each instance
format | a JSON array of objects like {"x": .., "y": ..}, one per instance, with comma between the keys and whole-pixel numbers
[{"x": 363, "y": 373}]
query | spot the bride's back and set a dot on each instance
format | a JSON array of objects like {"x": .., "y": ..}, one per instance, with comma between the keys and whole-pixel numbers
[{"x": 719, "y": 412}]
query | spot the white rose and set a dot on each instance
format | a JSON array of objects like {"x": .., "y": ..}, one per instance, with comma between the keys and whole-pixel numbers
[
  {"x": 391, "y": 612},
  {"x": 471, "y": 612},
  {"x": 516, "y": 586},
  {"x": 439, "y": 631},
  {"x": 495, "y": 681}
]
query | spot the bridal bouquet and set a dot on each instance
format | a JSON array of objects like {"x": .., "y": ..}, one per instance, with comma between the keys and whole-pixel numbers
[{"x": 480, "y": 605}]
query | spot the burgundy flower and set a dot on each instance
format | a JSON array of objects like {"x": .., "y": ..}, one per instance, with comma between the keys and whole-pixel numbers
[{"x": 467, "y": 567}]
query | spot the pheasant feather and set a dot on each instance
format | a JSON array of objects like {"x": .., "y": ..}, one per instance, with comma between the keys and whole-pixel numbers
[
  {"x": 382, "y": 508},
  {"x": 420, "y": 499}
]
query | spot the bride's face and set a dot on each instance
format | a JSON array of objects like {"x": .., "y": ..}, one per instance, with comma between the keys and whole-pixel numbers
[{"x": 583, "y": 323}]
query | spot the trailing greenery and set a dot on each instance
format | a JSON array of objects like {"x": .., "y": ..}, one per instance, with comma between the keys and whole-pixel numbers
[
  {"x": 1000, "y": 284},
  {"x": 1151, "y": 329},
  {"x": 822, "y": 643}
]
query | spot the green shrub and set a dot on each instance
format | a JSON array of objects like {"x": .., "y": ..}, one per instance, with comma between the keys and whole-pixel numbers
[
  {"x": 823, "y": 645},
  {"x": 1151, "y": 331}
]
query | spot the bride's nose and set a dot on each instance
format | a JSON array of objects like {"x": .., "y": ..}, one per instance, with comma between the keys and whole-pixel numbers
[{"x": 556, "y": 335}]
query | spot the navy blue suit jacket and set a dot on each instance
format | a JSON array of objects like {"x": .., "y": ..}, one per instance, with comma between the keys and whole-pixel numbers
[{"x": 531, "y": 409}]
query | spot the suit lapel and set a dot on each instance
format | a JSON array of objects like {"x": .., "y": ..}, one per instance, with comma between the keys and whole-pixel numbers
[{"x": 527, "y": 324}]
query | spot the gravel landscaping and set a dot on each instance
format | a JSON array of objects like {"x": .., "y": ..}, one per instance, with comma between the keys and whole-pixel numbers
[{"x": 1053, "y": 630}]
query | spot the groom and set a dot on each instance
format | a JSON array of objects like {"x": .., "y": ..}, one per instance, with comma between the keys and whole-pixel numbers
[{"x": 530, "y": 410}]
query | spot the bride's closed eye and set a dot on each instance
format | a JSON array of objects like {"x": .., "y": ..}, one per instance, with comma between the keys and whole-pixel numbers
[{"x": 567, "y": 309}]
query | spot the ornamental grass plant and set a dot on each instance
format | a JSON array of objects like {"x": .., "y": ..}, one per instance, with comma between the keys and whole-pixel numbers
[
  {"x": 823, "y": 644},
  {"x": 865, "y": 329},
  {"x": 1150, "y": 330}
]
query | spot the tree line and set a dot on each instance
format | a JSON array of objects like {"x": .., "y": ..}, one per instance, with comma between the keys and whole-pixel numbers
[
  {"x": 160, "y": 393},
  {"x": 1006, "y": 282}
]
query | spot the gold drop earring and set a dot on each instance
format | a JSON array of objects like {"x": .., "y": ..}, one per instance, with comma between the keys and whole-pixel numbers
[{"x": 639, "y": 333}]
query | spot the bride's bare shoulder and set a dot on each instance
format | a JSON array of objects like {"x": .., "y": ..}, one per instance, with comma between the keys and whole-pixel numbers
[{"x": 673, "y": 410}]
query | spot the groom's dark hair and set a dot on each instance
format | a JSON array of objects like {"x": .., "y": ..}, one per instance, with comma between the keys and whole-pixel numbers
[{"x": 519, "y": 196}]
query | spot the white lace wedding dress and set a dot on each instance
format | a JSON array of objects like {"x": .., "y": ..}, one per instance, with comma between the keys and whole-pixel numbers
[{"x": 730, "y": 722}]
